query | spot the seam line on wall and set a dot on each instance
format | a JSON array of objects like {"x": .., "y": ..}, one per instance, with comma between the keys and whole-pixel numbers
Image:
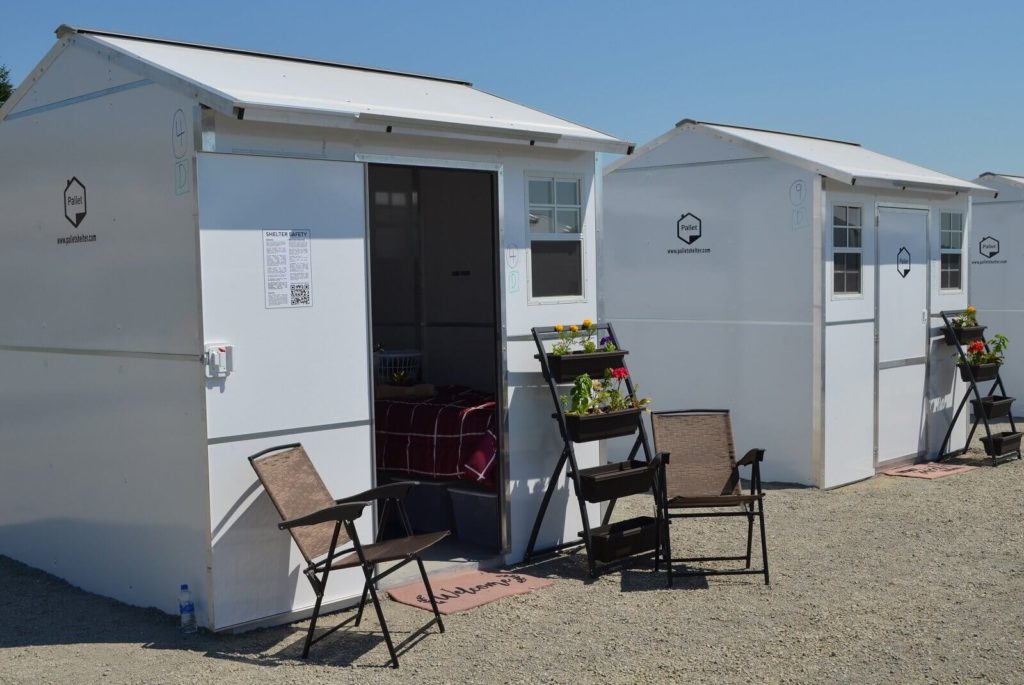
[{"x": 79, "y": 98}]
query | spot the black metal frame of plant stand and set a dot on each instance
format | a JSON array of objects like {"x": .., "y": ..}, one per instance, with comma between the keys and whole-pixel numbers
[
  {"x": 540, "y": 334},
  {"x": 973, "y": 389}
]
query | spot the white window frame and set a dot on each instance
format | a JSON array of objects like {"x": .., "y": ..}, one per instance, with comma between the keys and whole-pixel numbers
[
  {"x": 949, "y": 250},
  {"x": 554, "y": 237},
  {"x": 846, "y": 250}
]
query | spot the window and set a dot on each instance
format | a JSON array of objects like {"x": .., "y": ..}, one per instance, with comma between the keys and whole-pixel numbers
[
  {"x": 556, "y": 236},
  {"x": 951, "y": 248},
  {"x": 847, "y": 245}
]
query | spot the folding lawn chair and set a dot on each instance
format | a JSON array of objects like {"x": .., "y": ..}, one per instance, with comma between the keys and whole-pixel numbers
[
  {"x": 700, "y": 471},
  {"x": 323, "y": 527}
]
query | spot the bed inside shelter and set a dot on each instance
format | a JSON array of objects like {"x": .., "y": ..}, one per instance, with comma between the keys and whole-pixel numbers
[{"x": 434, "y": 304}]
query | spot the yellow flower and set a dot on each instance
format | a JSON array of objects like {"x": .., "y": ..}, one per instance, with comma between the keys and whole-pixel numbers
[
  {"x": 574, "y": 328},
  {"x": 559, "y": 327},
  {"x": 971, "y": 310},
  {"x": 587, "y": 323}
]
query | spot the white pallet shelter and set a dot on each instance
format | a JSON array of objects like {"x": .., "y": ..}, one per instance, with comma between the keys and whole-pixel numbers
[
  {"x": 717, "y": 265},
  {"x": 124, "y": 462},
  {"x": 997, "y": 269}
]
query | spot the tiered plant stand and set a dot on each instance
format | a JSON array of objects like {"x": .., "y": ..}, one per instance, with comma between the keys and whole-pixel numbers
[
  {"x": 613, "y": 542},
  {"x": 999, "y": 446}
]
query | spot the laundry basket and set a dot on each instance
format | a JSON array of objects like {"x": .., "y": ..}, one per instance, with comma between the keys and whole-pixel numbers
[{"x": 397, "y": 367}]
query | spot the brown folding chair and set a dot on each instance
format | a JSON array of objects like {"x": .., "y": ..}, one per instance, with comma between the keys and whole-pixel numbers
[
  {"x": 699, "y": 472},
  {"x": 323, "y": 528}
]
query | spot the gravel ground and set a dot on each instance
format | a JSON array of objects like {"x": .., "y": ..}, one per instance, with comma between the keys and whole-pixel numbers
[{"x": 888, "y": 580}]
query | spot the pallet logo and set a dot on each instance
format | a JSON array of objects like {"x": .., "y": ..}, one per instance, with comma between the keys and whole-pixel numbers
[
  {"x": 988, "y": 247},
  {"x": 74, "y": 202},
  {"x": 688, "y": 228},
  {"x": 903, "y": 262}
]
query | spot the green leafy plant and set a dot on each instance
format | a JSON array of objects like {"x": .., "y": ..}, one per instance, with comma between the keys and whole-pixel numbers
[
  {"x": 602, "y": 396},
  {"x": 978, "y": 354},
  {"x": 574, "y": 335},
  {"x": 967, "y": 319}
]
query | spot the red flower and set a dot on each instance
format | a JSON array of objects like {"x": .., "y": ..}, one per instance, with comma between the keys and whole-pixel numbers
[
  {"x": 620, "y": 373},
  {"x": 976, "y": 347}
]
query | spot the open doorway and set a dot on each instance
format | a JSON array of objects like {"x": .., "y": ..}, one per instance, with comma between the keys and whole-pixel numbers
[{"x": 435, "y": 304}]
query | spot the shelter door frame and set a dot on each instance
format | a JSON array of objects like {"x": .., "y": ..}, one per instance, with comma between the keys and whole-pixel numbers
[
  {"x": 501, "y": 346},
  {"x": 902, "y": 316}
]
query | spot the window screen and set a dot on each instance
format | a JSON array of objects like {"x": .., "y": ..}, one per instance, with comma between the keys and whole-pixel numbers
[
  {"x": 556, "y": 268},
  {"x": 556, "y": 236}
]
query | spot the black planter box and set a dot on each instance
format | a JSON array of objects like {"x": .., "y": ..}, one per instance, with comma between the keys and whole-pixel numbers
[
  {"x": 1002, "y": 443},
  {"x": 982, "y": 372},
  {"x": 992, "y": 407},
  {"x": 621, "y": 479},
  {"x": 590, "y": 427},
  {"x": 624, "y": 538},
  {"x": 565, "y": 367},
  {"x": 964, "y": 335}
]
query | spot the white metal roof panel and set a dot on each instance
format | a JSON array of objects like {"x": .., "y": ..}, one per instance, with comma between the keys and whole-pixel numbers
[
  {"x": 1009, "y": 179},
  {"x": 847, "y": 162},
  {"x": 256, "y": 81}
]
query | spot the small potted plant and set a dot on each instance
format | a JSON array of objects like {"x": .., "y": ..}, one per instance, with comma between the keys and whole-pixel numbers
[
  {"x": 982, "y": 361},
  {"x": 598, "y": 409},
  {"x": 964, "y": 328},
  {"x": 577, "y": 352}
]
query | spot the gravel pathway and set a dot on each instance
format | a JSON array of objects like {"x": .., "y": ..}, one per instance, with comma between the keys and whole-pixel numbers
[{"x": 889, "y": 580}]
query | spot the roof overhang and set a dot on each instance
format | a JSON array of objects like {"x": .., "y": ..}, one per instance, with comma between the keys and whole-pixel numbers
[
  {"x": 305, "y": 114},
  {"x": 948, "y": 185}
]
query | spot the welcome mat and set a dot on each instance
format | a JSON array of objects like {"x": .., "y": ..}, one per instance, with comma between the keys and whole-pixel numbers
[
  {"x": 929, "y": 471},
  {"x": 467, "y": 590}
]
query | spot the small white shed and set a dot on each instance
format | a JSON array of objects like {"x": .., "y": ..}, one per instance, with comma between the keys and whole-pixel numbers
[
  {"x": 199, "y": 249},
  {"x": 997, "y": 270},
  {"x": 794, "y": 280}
]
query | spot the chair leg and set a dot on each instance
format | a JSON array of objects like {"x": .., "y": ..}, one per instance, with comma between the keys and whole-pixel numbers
[
  {"x": 668, "y": 548},
  {"x": 312, "y": 624},
  {"x": 750, "y": 533},
  {"x": 380, "y": 616},
  {"x": 430, "y": 594},
  {"x": 764, "y": 542},
  {"x": 362, "y": 604}
]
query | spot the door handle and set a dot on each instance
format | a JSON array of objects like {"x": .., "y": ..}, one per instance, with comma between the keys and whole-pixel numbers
[{"x": 924, "y": 316}]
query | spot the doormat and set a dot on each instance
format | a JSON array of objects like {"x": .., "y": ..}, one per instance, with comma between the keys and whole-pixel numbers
[
  {"x": 467, "y": 591},
  {"x": 929, "y": 471}
]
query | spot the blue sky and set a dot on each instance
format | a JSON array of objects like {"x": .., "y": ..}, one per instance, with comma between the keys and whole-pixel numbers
[{"x": 932, "y": 82}]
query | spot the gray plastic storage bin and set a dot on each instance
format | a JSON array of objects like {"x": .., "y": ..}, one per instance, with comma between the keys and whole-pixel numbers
[{"x": 476, "y": 516}]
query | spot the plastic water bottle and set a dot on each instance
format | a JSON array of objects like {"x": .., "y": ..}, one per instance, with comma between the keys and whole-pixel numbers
[{"x": 187, "y": 610}]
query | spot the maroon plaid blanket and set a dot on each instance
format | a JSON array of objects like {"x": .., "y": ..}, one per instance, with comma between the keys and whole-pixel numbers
[{"x": 450, "y": 435}]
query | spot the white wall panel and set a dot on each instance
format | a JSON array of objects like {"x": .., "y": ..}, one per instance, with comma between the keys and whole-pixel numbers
[
  {"x": 104, "y": 473},
  {"x": 730, "y": 328},
  {"x": 257, "y": 569},
  {"x": 997, "y": 284},
  {"x": 134, "y": 288},
  {"x": 298, "y": 366},
  {"x": 849, "y": 403},
  {"x": 76, "y": 72}
]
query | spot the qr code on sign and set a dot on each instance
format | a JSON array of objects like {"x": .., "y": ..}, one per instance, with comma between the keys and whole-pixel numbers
[{"x": 300, "y": 294}]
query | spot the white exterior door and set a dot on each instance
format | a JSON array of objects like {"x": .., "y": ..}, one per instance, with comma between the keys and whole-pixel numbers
[
  {"x": 902, "y": 331},
  {"x": 283, "y": 249}
]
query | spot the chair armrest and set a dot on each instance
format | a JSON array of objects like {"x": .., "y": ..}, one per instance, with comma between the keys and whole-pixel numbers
[
  {"x": 751, "y": 457},
  {"x": 390, "y": 491},
  {"x": 348, "y": 511}
]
